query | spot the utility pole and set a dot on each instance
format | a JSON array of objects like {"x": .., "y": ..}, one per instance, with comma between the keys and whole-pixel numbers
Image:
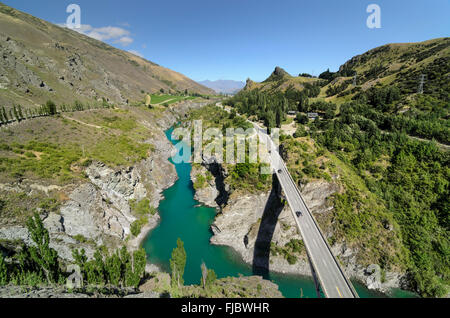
[{"x": 421, "y": 83}]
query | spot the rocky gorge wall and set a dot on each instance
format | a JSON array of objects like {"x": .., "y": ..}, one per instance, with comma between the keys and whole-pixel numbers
[{"x": 97, "y": 212}]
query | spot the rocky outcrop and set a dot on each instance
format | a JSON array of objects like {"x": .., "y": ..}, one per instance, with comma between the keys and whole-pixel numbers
[
  {"x": 91, "y": 213},
  {"x": 372, "y": 275},
  {"x": 59, "y": 241},
  {"x": 207, "y": 193},
  {"x": 214, "y": 192}
]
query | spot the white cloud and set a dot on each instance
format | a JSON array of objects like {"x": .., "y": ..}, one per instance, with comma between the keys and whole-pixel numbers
[
  {"x": 117, "y": 35},
  {"x": 124, "y": 41},
  {"x": 136, "y": 53},
  {"x": 107, "y": 33}
]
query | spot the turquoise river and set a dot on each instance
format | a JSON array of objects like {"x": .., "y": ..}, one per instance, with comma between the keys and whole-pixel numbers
[{"x": 183, "y": 217}]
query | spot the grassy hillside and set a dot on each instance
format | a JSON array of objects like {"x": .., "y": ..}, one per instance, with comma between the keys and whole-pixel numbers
[
  {"x": 384, "y": 143},
  {"x": 399, "y": 64},
  {"x": 41, "y": 61},
  {"x": 402, "y": 65}
]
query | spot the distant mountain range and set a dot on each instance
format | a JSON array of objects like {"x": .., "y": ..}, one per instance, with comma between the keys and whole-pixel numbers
[{"x": 224, "y": 86}]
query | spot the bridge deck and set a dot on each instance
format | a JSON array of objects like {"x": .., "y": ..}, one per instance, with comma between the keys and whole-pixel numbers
[{"x": 332, "y": 279}]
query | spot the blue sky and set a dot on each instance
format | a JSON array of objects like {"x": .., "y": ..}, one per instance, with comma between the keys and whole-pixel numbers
[{"x": 237, "y": 39}]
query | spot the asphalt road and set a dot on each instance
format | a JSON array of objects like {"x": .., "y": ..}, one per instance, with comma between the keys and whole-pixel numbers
[{"x": 331, "y": 277}]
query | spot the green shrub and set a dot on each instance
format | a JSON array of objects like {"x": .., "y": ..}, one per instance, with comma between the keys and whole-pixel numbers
[
  {"x": 291, "y": 259},
  {"x": 142, "y": 208},
  {"x": 200, "y": 182},
  {"x": 300, "y": 132},
  {"x": 137, "y": 225},
  {"x": 50, "y": 107}
]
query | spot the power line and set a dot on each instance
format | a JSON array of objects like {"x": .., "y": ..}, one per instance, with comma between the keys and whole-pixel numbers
[{"x": 421, "y": 83}]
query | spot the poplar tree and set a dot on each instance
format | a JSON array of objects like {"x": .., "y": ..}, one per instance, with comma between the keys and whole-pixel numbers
[
  {"x": 99, "y": 267},
  {"x": 16, "y": 114},
  {"x": 80, "y": 258},
  {"x": 135, "y": 268},
  {"x": 41, "y": 253},
  {"x": 211, "y": 277},
  {"x": 20, "y": 113},
  {"x": 208, "y": 276},
  {"x": 3, "y": 271},
  {"x": 113, "y": 266},
  {"x": 178, "y": 263},
  {"x": 50, "y": 107},
  {"x": 279, "y": 117},
  {"x": 5, "y": 116}
]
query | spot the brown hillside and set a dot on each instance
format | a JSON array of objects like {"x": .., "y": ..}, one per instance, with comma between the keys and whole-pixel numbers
[{"x": 41, "y": 61}]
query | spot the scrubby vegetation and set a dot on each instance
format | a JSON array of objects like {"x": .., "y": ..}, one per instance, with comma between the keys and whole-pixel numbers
[
  {"x": 142, "y": 210},
  {"x": 291, "y": 251},
  {"x": 248, "y": 177},
  {"x": 61, "y": 148},
  {"x": 200, "y": 182},
  {"x": 137, "y": 225},
  {"x": 52, "y": 161}
]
